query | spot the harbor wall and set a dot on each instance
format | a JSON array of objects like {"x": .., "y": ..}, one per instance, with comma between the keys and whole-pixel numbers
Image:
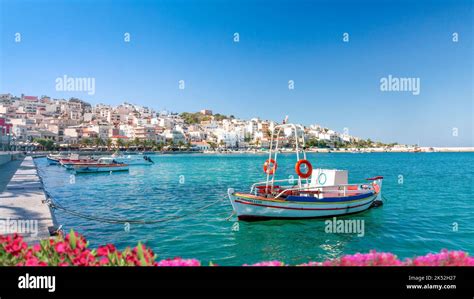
[{"x": 7, "y": 157}]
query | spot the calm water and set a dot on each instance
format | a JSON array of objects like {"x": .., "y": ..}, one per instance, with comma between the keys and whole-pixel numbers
[{"x": 417, "y": 218}]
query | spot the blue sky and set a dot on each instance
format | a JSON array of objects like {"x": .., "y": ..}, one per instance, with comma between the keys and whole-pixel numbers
[{"x": 337, "y": 84}]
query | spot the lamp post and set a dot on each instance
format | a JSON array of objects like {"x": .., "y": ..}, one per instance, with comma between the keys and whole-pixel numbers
[
  {"x": 1, "y": 138},
  {"x": 14, "y": 142}
]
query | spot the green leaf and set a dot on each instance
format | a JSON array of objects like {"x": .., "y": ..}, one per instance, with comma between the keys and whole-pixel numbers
[
  {"x": 140, "y": 254},
  {"x": 72, "y": 239}
]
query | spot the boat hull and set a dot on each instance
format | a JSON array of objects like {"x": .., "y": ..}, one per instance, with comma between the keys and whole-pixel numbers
[
  {"x": 95, "y": 169},
  {"x": 52, "y": 161},
  {"x": 251, "y": 207}
]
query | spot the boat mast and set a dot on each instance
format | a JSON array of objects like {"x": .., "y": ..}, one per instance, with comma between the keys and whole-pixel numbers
[{"x": 270, "y": 181}]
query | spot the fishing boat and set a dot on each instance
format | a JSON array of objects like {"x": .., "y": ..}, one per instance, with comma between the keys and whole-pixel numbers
[
  {"x": 53, "y": 159},
  {"x": 100, "y": 166},
  {"x": 70, "y": 163},
  {"x": 313, "y": 194}
]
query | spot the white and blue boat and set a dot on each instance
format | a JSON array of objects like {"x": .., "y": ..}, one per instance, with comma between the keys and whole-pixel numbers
[
  {"x": 314, "y": 193},
  {"x": 53, "y": 159}
]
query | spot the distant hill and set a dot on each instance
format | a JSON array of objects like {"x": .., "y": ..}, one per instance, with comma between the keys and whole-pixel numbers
[{"x": 196, "y": 117}]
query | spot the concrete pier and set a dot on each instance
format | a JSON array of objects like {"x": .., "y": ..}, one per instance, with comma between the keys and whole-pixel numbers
[{"x": 23, "y": 207}]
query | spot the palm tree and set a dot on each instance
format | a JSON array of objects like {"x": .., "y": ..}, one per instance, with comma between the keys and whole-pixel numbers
[
  {"x": 257, "y": 142},
  {"x": 369, "y": 142},
  {"x": 85, "y": 142},
  {"x": 212, "y": 145},
  {"x": 146, "y": 144},
  {"x": 98, "y": 142},
  {"x": 136, "y": 142},
  {"x": 151, "y": 144},
  {"x": 120, "y": 143},
  {"x": 109, "y": 143},
  {"x": 159, "y": 146}
]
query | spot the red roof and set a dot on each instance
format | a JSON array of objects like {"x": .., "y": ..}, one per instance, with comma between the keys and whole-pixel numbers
[
  {"x": 30, "y": 98},
  {"x": 119, "y": 136}
]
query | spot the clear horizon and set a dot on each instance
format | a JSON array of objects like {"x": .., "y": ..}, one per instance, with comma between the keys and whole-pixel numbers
[{"x": 337, "y": 84}]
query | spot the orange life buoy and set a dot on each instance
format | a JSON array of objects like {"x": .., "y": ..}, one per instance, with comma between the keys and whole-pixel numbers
[
  {"x": 272, "y": 169},
  {"x": 308, "y": 173}
]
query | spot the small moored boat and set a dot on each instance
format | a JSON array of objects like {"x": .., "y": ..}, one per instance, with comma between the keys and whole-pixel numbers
[
  {"x": 53, "y": 159},
  {"x": 102, "y": 166},
  {"x": 318, "y": 193},
  {"x": 69, "y": 163}
]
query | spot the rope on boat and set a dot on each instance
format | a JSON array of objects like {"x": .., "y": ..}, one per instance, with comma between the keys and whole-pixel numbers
[
  {"x": 230, "y": 216},
  {"x": 56, "y": 205}
]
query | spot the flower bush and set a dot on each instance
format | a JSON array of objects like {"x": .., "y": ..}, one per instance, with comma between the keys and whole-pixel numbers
[{"x": 73, "y": 250}]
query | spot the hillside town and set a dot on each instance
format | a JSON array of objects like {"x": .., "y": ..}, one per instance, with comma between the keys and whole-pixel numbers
[{"x": 32, "y": 122}]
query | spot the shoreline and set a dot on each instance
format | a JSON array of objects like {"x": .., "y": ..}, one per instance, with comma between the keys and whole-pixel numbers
[{"x": 38, "y": 154}]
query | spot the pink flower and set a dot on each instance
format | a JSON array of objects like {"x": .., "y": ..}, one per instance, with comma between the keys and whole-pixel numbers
[
  {"x": 32, "y": 262},
  {"x": 105, "y": 250},
  {"x": 267, "y": 264},
  {"x": 14, "y": 251},
  {"x": 60, "y": 247},
  {"x": 311, "y": 264},
  {"x": 178, "y": 262},
  {"x": 444, "y": 258},
  {"x": 36, "y": 247},
  {"x": 372, "y": 258}
]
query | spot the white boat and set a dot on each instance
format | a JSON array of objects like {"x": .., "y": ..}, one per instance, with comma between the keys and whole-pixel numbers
[
  {"x": 100, "y": 167},
  {"x": 313, "y": 194},
  {"x": 53, "y": 159}
]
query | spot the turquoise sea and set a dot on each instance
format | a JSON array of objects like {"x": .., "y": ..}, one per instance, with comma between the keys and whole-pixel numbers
[{"x": 429, "y": 206}]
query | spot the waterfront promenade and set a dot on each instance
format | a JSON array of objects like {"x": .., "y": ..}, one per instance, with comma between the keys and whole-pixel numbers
[{"x": 22, "y": 203}]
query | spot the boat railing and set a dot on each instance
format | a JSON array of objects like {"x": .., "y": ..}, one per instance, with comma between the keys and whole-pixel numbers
[
  {"x": 340, "y": 189},
  {"x": 252, "y": 189}
]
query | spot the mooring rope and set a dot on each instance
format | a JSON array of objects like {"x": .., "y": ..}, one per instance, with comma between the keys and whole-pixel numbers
[{"x": 56, "y": 205}]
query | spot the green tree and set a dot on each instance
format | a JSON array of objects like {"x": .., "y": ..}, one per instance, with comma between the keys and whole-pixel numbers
[
  {"x": 120, "y": 143},
  {"x": 46, "y": 144},
  {"x": 137, "y": 142},
  {"x": 159, "y": 146},
  {"x": 108, "y": 143},
  {"x": 98, "y": 142},
  {"x": 85, "y": 142},
  {"x": 212, "y": 145}
]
